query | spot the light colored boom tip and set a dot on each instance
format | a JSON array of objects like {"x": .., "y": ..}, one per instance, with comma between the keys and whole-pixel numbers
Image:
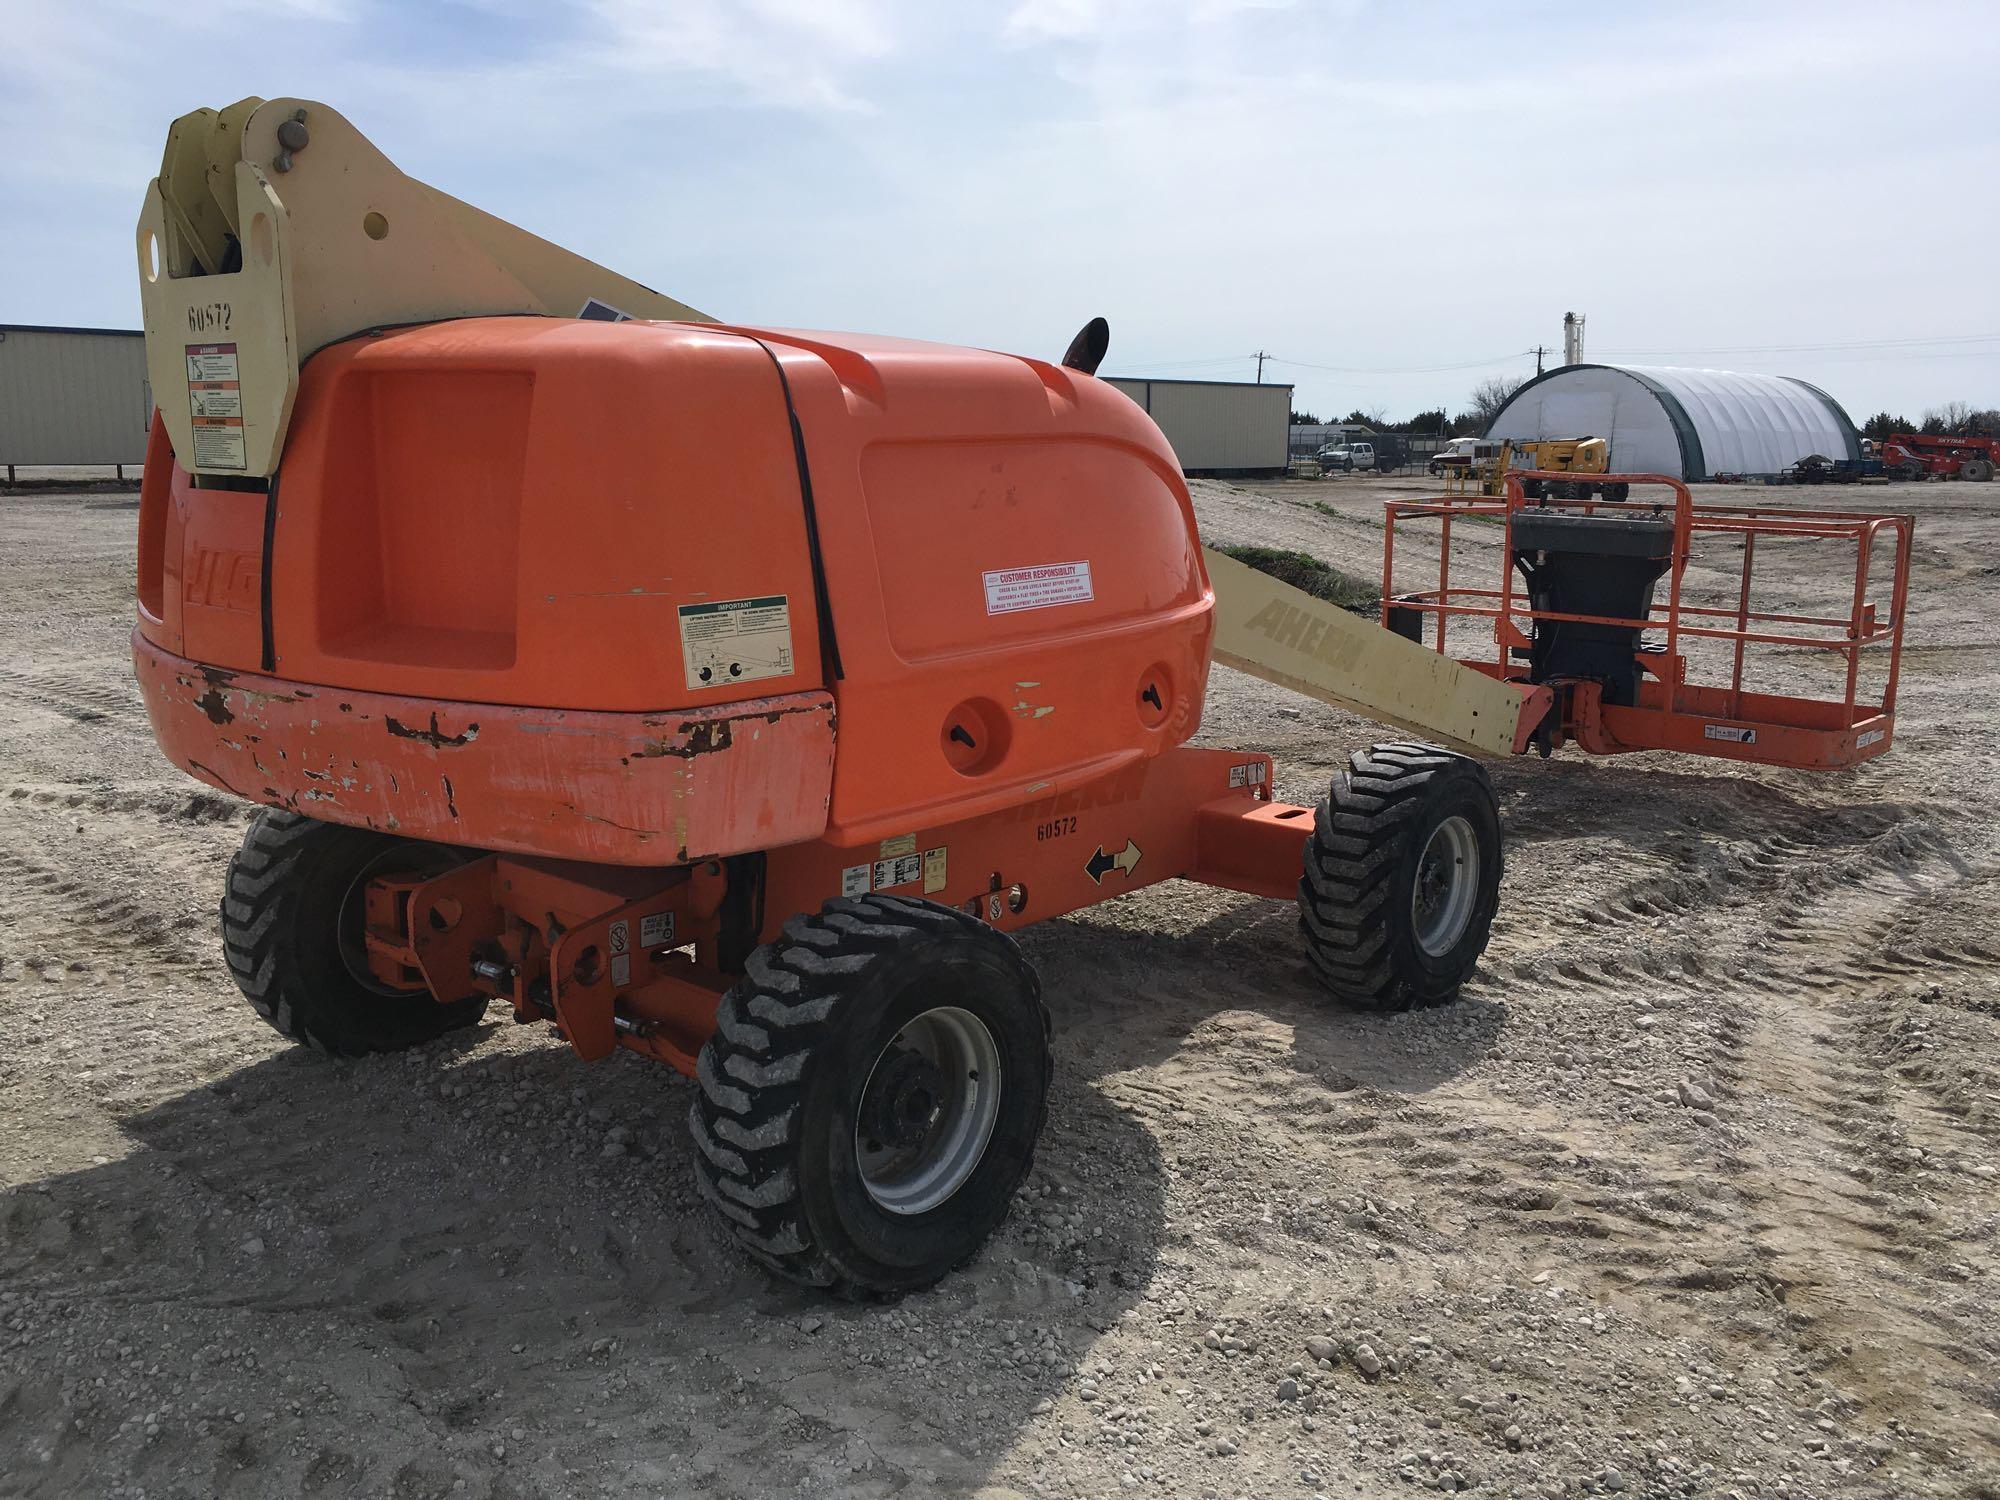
[{"x": 276, "y": 228}]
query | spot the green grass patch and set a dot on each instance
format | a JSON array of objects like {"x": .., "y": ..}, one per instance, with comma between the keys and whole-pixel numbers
[{"x": 1321, "y": 580}]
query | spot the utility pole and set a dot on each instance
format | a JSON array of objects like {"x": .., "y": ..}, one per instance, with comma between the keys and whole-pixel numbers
[
  {"x": 1261, "y": 357},
  {"x": 1538, "y": 359}
]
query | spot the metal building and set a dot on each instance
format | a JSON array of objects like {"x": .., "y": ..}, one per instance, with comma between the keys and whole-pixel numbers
[
  {"x": 73, "y": 396},
  {"x": 1693, "y": 424},
  {"x": 1219, "y": 426}
]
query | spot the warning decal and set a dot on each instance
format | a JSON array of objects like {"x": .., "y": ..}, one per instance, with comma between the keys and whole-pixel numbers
[
  {"x": 736, "y": 640},
  {"x": 215, "y": 402},
  {"x": 1729, "y": 732},
  {"x": 1011, "y": 589},
  {"x": 621, "y": 954},
  {"x": 902, "y": 870}
]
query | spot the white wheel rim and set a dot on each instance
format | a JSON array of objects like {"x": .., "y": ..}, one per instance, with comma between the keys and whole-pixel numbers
[
  {"x": 1447, "y": 885},
  {"x": 928, "y": 1110}
]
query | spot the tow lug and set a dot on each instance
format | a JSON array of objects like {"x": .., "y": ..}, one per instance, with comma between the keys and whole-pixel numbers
[{"x": 494, "y": 972}]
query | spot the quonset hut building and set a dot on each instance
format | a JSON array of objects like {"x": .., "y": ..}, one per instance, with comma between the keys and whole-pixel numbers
[{"x": 1692, "y": 424}]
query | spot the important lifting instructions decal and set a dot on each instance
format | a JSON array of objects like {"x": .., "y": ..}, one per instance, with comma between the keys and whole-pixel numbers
[
  {"x": 736, "y": 640},
  {"x": 215, "y": 402},
  {"x": 1011, "y": 589}
]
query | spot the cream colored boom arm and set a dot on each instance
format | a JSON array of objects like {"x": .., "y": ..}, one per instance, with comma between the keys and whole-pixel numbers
[
  {"x": 1268, "y": 628},
  {"x": 276, "y": 228}
]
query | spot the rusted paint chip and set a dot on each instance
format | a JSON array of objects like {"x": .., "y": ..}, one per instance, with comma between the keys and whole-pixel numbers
[{"x": 436, "y": 738}]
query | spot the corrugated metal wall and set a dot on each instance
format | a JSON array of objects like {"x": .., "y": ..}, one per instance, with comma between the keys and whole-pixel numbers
[
  {"x": 1219, "y": 427},
  {"x": 72, "y": 396}
]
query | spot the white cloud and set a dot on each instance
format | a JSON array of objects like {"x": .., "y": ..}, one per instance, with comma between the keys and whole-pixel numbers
[
  {"x": 1076, "y": 20},
  {"x": 1042, "y": 20},
  {"x": 791, "y": 53}
]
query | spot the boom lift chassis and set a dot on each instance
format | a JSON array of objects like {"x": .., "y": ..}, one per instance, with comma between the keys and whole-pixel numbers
[{"x": 869, "y": 1044}]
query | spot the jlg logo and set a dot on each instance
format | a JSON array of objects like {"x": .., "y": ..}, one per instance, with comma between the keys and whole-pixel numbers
[
  {"x": 1113, "y": 791},
  {"x": 220, "y": 579}
]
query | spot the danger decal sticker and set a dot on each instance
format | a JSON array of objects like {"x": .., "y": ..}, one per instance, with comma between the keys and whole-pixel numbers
[{"x": 215, "y": 403}]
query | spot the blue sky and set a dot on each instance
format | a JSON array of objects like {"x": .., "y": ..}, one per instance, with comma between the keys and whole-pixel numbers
[{"x": 1395, "y": 200}]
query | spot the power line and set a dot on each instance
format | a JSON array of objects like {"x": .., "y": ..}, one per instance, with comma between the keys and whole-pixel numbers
[
  {"x": 1879, "y": 356},
  {"x": 1471, "y": 364},
  {"x": 1888, "y": 348},
  {"x": 1949, "y": 340},
  {"x": 1193, "y": 364},
  {"x": 1302, "y": 364}
]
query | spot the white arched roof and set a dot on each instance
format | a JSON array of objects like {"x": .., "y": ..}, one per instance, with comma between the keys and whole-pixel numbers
[{"x": 1689, "y": 423}]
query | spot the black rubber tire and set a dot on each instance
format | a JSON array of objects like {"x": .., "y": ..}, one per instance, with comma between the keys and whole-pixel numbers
[
  {"x": 783, "y": 1075},
  {"x": 1617, "y": 492},
  {"x": 1976, "y": 469},
  {"x": 287, "y": 896},
  {"x": 1369, "y": 835}
]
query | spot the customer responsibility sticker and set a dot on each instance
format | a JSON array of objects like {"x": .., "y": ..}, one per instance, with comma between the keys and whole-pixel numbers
[{"x": 1011, "y": 589}]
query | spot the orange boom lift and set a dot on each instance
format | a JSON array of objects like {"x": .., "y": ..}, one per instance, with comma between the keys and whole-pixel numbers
[{"x": 729, "y": 694}]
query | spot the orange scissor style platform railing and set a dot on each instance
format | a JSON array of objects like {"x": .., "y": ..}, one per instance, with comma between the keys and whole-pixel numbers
[{"x": 1693, "y": 650}]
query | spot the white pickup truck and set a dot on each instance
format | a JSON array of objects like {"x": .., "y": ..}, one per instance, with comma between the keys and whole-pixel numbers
[{"x": 1346, "y": 457}]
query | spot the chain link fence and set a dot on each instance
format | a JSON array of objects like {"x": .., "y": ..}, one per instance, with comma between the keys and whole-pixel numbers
[{"x": 1395, "y": 452}]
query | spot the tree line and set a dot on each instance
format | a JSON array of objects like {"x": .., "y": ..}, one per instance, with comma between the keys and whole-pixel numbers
[
  {"x": 1953, "y": 419},
  {"x": 1483, "y": 406}
]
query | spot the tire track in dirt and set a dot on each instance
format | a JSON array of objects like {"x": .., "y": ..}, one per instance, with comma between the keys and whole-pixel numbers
[
  {"x": 1857, "y": 841},
  {"x": 168, "y": 806},
  {"x": 1790, "y": 1227},
  {"x": 1864, "y": 927},
  {"x": 1840, "y": 1203},
  {"x": 41, "y": 900},
  {"x": 1816, "y": 1216},
  {"x": 79, "y": 700}
]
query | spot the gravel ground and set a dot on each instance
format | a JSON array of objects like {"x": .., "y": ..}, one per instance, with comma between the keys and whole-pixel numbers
[{"x": 1693, "y": 1193}]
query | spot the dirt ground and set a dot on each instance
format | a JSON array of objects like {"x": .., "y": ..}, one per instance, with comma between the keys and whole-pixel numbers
[{"x": 1695, "y": 1191}]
